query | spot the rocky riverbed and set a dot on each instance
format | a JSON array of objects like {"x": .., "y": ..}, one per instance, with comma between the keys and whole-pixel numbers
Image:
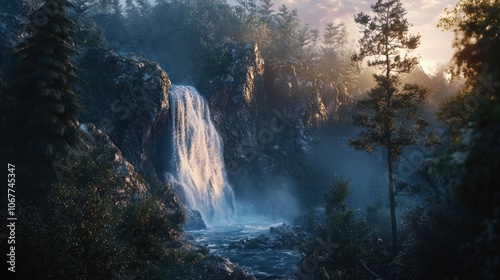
[{"x": 264, "y": 250}]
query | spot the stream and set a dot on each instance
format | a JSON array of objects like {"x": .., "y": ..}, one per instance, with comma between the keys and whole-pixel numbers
[{"x": 262, "y": 263}]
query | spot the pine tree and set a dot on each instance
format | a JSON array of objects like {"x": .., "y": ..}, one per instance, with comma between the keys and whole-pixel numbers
[
  {"x": 476, "y": 26},
  {"x": 335, "y": 36},
  {"x": 333, "y": 62},
  {"x": 287, "y": 33},
  {"x": 389, "y": 114},
  {"x": 145, "y": 8},
  {"x": 45, "y": 125},
  {"x": 266, "y": 8},
  {"x": 117, "y": 8}
]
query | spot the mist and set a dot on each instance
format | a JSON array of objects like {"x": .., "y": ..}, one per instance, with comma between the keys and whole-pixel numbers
[{"x": 250, "y": 139}]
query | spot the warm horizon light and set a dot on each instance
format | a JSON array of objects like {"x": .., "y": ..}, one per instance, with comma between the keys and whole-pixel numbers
[{"x": 436, "y": 45}]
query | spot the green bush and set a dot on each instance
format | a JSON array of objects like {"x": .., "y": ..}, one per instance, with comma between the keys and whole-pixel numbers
[
  {"x": 347, "y": 232},
  {"x": 72, "y": 234},
  {"x": 433, "y": 236},
  {"x": 82, "y": 230},
  {"x": 147, "y": 226}
]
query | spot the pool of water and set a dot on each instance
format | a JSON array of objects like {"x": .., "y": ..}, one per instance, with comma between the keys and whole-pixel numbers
[{"x": 263, "y": 263}]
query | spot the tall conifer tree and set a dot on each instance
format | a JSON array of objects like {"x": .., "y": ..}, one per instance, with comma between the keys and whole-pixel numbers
[
  {"x": 389, "y": 114},
  {"x": 45, "y": 126}
]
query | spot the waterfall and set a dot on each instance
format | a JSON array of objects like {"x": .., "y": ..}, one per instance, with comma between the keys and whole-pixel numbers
[{"x": 198, "y": 158}]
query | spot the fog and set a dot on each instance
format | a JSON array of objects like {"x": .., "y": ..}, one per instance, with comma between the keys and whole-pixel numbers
[{"x": 275, "y": 202}]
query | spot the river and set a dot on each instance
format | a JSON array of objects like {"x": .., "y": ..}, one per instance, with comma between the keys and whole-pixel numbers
[{"x": 263, "y": 263}]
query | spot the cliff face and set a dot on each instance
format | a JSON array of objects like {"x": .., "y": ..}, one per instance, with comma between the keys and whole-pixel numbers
[
  {"x": 123, "y": 96},
  {"x": 99, "y": 145},
  {"x": 127, "y": 98},
  {"x": 236, "y": 99},
  {"x": 263, "y": 112}
]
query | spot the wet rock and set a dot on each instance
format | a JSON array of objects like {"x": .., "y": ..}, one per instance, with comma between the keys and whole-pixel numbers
[
  {"x": 283, "y": 229},
  {"x": 265, "y": 113},
  {"x": 194, "y": 221},
  {"x": 214, "y": 267},
  {"x": 99, "y": 145},
  {"x": 283, "y": 237},
  {"x": 235, "y": 98},
  {"x": 266, "y": 276},
  {"x": 188, "y": 247},
  {"x": 187, "y": 237}
]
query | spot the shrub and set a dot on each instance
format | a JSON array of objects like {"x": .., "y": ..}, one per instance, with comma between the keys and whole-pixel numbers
[{"x": 347, "y": 232}]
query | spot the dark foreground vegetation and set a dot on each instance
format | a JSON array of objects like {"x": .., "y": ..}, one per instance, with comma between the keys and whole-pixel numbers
[{"x": 92, "y": 201}]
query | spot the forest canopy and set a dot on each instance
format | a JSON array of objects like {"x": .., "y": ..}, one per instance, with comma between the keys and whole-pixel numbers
[{"x": 387, "y": 169}]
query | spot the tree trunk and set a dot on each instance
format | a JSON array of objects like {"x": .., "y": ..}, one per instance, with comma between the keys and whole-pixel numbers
[{"x": 392, "y": 202}]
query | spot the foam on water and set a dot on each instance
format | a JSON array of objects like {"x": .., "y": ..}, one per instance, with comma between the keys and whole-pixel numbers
[{"x": 198, "y": 158}]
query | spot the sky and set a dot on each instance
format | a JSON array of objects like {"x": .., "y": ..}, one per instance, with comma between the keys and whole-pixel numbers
[{"x": 435, "y": 47}]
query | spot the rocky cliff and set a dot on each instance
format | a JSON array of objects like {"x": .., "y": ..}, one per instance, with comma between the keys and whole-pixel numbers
[
  {"x": 266, "y": 113},
  {"x": 100, "y": 147},
  {"x": 126, "y": 97},
  {"x": 123, "y": 96}
]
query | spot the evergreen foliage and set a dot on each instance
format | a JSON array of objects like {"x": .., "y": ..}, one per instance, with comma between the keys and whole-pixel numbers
[
  {"x": 466, "y": 229},
  {"x": 432, "y": 237},
  {"x": 351, "y": 243},
  {"x": 389, "y": 114},
  {"x": 90, "y": 7},
  {"x": 476, "y": 25},
  {"x": 83, "y": 231},
  {"x": 12, "y": 7},
  {"x": 45, "y": 125},
  {"x": 79, "y": 227}
]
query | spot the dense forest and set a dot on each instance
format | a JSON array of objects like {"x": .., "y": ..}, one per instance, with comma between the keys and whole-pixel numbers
[{"x": 214, "y": 139}]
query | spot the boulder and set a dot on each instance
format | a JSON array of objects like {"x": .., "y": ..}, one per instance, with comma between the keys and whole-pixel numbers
[
  {"x": 194, "y": 221},
  {"x": 187, "y": 237},
  {"x": 214, "y": 267},
  {"x": 283, "y": 229},
  {"x": 189, "y": 247},
  {"x": 123, "y": 96},
  {"x": 283, "y": 237}
]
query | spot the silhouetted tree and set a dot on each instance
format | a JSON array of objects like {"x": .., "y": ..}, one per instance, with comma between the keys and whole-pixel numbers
[
  {"x": 476, "y": 26},
  {"x": 45, "y": 123},
  {"x": 348, "y": 239},
  {"x": 477, "y": 29},
  {"x": 266, "y": 7},
  {"x": 339, "y": 71},
  {"x": 287, "y": 35},
  {"x": 389, "y": 113}
]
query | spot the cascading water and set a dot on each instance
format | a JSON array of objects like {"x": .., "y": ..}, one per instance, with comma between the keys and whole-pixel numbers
[
  {"x": 199, "y": 178},
  {"x": 198, "y": 162}
]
